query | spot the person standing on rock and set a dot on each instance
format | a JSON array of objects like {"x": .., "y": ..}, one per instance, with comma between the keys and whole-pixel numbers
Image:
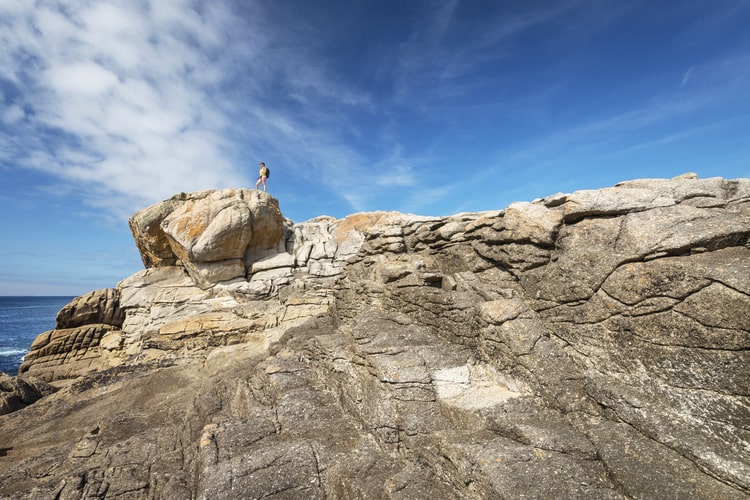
[{"x": 264, "y": 173}]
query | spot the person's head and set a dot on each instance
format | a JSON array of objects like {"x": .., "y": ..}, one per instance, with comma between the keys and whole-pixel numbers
[{"x": 262, "y": 164}]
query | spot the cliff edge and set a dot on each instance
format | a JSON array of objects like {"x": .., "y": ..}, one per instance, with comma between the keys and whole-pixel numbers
[{"x": 585, "y": 345}]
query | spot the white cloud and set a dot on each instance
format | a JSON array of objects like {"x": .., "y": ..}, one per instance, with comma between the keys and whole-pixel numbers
[
  {"x": 83, "y": 78},
  {"x": 121, "y": 98},
  {"x": 686, "y": 76},
  {"x": 395, "y": 170},
  {"x": 13, "y": 114},
  {"x": 136, "y": 102}
]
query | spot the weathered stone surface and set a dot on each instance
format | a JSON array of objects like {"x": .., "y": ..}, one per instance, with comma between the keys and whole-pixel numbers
[
  {"x": 214, "y": 235},
  {"x": 586, "y": 345},
  {"x": 149, "y": 237},
  {"x": 66, "y": 353},
  {"x": 73, "y": 348},
  {"x": 99, "y": 306},
  {"x": 209, "y": 229},
  {"x": 19, "y": 392}
]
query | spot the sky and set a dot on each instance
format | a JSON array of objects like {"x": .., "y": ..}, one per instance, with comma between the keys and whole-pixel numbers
[{"x": 430, "y": 107}]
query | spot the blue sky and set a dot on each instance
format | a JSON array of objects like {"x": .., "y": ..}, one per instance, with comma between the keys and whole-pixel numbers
[{"x": 430, "y": 107}]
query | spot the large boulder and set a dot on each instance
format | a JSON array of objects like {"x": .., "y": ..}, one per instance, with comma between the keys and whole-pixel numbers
[
  {"x": 215, "y": 235},
  {"x": 66, "y": 353}
]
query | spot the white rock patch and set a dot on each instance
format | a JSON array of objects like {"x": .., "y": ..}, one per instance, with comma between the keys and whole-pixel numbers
[{"x": 473, "y": 387}]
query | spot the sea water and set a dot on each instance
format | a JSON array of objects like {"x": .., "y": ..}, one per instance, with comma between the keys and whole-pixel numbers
[{"x": 21, "y": 320}]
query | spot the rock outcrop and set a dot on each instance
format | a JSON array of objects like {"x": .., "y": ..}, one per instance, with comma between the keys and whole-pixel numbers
[
  {"x": 72, "y": 348},
  {"x": 214, "y": 235},
  {"x": 585, "y": 345},
  {"x": 19, "y": 392}
]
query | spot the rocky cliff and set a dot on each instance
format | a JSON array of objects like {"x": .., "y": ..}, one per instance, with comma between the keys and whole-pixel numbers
[{"x": 585, "y": 345}]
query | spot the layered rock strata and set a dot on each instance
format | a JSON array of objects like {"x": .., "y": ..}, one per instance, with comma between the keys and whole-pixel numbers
[
  {"x": 585, "y": 345},
  {"x": 72, "y": 348}
]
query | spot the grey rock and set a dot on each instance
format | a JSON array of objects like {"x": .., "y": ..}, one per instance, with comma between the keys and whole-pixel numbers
[
  {"x": 585, "y": 345},
  {"x": 19, "y": 392}
]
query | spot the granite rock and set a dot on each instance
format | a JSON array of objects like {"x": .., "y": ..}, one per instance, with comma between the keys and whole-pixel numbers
[
  {"x": 19, "y": 392},
  {"x": 585, "y": 345}
]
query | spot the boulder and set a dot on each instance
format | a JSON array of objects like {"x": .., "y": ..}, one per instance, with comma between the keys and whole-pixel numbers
[
  {"x": 19, "y": 392},
  {"x": 99, "y": 306},
  {"x": 214, "y": 235},
  {"x": 66, "y": 353},
  {"x": 73, "y": 347},
  {"x": 214, "y": 228},
  {"x": 149, "y": 237}
]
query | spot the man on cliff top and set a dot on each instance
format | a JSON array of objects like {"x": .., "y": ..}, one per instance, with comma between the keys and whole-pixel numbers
[{"x": 263, "y": 176}]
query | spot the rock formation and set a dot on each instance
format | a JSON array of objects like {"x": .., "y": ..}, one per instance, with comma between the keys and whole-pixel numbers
[
  {"x": 214, "y": 235},
  {"x": 585, "y": 345},
  {"x": 17, "y": 393}
]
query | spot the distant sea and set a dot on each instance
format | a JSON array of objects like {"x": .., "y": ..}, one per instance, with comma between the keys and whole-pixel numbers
[{"x": 21, "y": 320}]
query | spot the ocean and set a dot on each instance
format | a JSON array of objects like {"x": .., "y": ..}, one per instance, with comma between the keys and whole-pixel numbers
[{"x": 21, "y": 320}]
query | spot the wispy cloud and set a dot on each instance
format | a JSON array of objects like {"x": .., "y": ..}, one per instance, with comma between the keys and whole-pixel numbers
[
  {"x": 140, "y": 102},
  {"x": 445, "y": 54},
  {"x": 713, "y": 103},
  {"x": 116, "y": 98},
  {"x": 130, "y": 102},
  {"x": 686, "y": 76}
]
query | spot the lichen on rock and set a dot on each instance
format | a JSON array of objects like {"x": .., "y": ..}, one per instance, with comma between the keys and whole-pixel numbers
[{"x": 214, "y": 235}]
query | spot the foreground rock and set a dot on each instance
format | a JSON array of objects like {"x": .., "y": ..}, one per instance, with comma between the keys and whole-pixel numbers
[
  {"x": 19, "y": 392},
  {"x": 587, "y": 345}
]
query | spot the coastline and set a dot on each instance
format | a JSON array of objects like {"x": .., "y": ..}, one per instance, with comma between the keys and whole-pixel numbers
[{"x": 22, "y": 319}]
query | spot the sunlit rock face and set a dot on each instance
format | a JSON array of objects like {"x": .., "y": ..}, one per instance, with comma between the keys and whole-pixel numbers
[
  {"x": 73, "y": 347},
  {"x": 214, "y": 235},
  {"x": 584, "y": 345}
]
